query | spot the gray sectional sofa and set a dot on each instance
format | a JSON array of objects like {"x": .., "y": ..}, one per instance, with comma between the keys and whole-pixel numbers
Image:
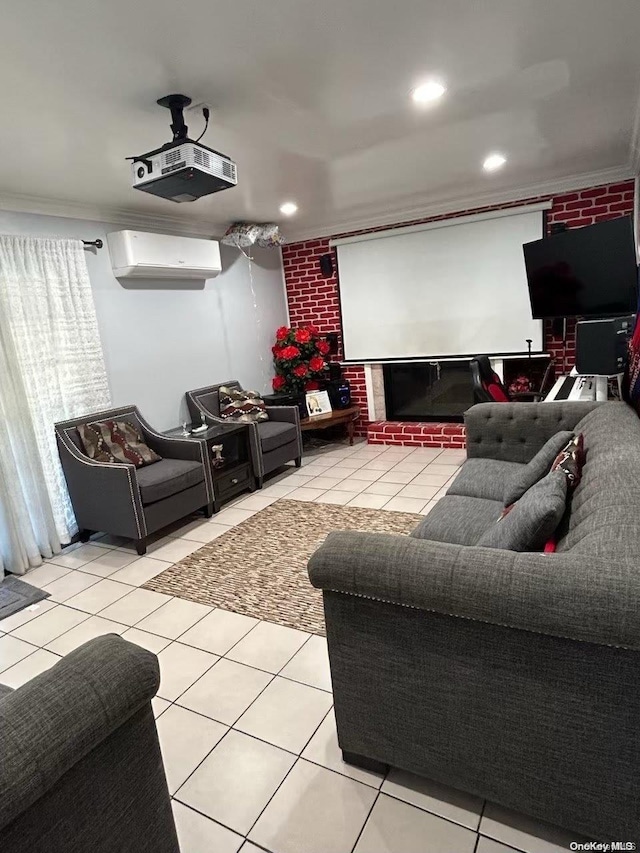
[{"x": 514, "y": 676}]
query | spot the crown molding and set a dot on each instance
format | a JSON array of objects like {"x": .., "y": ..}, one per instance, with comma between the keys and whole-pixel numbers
[
  {"x": 119, "y": 216},
  {"x": 459, "y": 204},
  {"x": 421, "y": 208}
]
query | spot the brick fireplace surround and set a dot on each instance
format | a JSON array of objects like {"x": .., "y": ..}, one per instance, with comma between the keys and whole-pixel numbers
[{"x": 314, "y": 299}]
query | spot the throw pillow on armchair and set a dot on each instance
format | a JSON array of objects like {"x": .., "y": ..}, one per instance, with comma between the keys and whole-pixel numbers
[
  {"x": 116, "y": 441},
  {"x": 243, "y": 406}
]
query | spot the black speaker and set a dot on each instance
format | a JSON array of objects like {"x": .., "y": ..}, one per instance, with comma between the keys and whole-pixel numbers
[
  {"x": 558, "y": 228},
  {"x": 332, "y": 340},
  {"x": 326, "y": 265},
  {"x": 339, "y": 393},
  {"x": 335, "y": 371},
  {"x": 601, "y": 345}
]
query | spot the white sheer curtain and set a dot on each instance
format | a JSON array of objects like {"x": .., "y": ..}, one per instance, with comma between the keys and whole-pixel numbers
[{"x": 51, "y": 368}]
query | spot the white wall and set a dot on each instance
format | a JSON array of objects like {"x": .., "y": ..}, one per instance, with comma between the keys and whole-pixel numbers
[{"x": 161, "y": 339}]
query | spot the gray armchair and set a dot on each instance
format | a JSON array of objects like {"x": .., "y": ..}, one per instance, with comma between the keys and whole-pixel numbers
[
  {"x": 273, "y": 442},
  {"x": 123, "y": 500},
  {"x": 81, "y": 769}
]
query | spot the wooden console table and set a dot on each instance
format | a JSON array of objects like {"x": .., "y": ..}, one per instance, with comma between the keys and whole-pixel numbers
[{"x": 340, "y": 416}]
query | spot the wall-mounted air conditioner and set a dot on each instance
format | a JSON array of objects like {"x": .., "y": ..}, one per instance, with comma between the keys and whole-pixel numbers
[{"x": 139, "y": 254}]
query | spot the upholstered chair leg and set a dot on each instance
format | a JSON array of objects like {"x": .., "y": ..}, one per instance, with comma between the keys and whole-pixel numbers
[
  {"x": 298, "y": 461},
  {"x": 208, "y": 510},
  {"x": 363, "y": 762},
  {"x": 84, "y": 535},
  {"x": 141, "y": 547},
  {"x": 259, "y": 482}
]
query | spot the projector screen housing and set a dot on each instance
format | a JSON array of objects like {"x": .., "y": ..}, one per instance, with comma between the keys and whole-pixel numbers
[{"x": 456, "y": 287}]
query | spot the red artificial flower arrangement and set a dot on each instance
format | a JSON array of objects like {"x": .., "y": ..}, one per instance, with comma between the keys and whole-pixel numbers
[{"x": 299, "y": 358}]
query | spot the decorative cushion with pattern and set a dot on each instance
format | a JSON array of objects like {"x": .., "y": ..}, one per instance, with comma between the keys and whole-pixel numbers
[
  {"x": 243, "y": 406},
  {"x": 116, "y": 441},
  {"x": 518, "y": 483},
  {"x": 528, "y": 524},
  {"x": 570, "y": 461}
]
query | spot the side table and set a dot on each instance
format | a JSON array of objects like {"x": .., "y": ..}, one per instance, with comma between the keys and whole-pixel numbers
[{"x": 235, "y": 475}]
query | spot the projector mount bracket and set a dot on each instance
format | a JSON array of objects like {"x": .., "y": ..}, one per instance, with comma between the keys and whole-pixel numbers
[{"x": 177, "y": 104}]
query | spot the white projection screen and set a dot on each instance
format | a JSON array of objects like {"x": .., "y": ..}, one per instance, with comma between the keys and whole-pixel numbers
[{"x": 451, "y": 288}]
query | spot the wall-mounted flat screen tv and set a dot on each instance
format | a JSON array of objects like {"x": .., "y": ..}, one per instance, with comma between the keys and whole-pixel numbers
[{"x": 584, "y": 272}]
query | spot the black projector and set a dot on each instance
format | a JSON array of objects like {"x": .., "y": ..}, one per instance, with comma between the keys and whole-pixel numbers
[{"x": 182, "y": 170}]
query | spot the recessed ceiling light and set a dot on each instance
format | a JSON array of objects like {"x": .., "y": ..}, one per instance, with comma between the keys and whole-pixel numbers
[
  {"x": 493, "y": 162},
  {"x": 428, "y": 92},
  {"x": 289, "y": 208}
]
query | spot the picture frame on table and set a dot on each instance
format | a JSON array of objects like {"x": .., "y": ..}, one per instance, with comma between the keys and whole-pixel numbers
[{"x": 318, "y": 403}]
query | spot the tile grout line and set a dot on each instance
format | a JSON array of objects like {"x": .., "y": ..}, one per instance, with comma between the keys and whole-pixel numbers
[
  {"x": 366, "y": 820},
  {"x": 298, "y": 756}
]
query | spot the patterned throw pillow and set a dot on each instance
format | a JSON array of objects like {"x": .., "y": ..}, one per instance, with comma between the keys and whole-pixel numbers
[
  {"x": 116, "y": 441},
  {"x": 570, "y": 461},
  {"x": 243, "y": 406}
]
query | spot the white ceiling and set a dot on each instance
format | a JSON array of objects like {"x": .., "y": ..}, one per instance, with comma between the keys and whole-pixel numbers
[{"x": 311, "y": 98}]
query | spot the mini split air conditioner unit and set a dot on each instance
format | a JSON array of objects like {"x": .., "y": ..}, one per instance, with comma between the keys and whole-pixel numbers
[{"x": 140, "y": 254}]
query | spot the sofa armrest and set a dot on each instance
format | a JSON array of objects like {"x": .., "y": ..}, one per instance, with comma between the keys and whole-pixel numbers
[
  {"x": 284, "y": 414},
  {"x": 515, "y": 432},
  {"x": 175, "y": 447},
  {"x": 102, "y": 493},
  {"x": 52, "y": 722},
  {"x": 592, "y": 600},
  {"x": 291, "y": 415}
]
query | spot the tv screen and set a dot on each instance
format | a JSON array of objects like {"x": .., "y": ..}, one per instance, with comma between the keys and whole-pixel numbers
[{"x": 584, "y": 272}]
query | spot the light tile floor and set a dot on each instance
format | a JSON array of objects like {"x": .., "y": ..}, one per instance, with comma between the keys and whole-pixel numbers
[{"x": 244, "y": 708}]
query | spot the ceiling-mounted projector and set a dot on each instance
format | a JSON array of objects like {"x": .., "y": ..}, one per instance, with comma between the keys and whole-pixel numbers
[{"x": 182, "y": 170}]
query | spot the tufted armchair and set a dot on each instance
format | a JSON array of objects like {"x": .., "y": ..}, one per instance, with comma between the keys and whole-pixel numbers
[
  {"x": 123, "y": 500},
  {"x": 273, "y": 442}
]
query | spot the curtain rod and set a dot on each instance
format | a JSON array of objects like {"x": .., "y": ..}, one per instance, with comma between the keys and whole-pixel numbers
[{"x": 97, "y": 243}]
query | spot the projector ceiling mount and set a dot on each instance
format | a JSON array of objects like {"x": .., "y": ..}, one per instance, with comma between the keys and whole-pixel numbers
[
  {"x": 183, "y": 169},
  {"x": 177, "y": 105}
]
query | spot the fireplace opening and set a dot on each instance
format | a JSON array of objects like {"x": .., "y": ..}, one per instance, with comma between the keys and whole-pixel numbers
[{"x": 427, "y": 390}]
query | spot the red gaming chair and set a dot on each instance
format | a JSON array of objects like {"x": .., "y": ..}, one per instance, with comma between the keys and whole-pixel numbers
[{"x": 488, "y": 387}]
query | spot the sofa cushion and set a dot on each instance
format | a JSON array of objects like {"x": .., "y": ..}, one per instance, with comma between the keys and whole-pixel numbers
[
  {"x": 458, "y": 520},
  {"x": 168, "y": 477},
  {"x": 532, "y": 520},
  {"x": 243, "y": 406},
  {"x": 520, "y": 481},
  {"x": 274, "y": 434},
  {"x": 484, "y": 478},
  {"x": 116, "y": 441}
]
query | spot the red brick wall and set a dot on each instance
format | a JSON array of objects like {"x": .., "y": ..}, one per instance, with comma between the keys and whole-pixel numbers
[
  {"x": 416, "y": 435},
  {"x": 314, "y": 299}
]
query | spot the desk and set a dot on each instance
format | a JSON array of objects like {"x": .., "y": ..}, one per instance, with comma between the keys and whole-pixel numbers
[{"x": 340, "y": 416}]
